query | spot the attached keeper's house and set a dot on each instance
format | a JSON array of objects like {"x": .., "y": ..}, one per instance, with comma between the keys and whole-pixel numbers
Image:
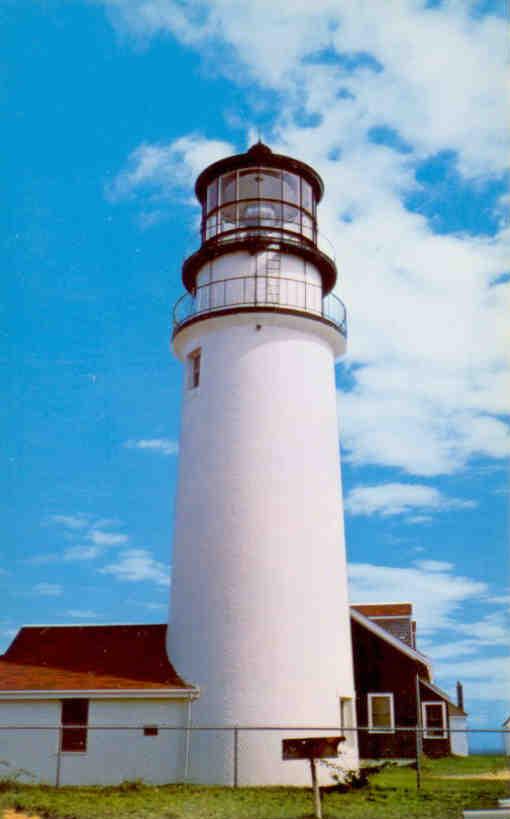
[
  {"x": 395, "y": 689},
  {"x": 102, "y": 704},
  {"x": 100, "y": 680}
]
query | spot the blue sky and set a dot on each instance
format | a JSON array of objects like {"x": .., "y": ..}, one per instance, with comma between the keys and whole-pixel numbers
[{"x": 111, "y": 109}]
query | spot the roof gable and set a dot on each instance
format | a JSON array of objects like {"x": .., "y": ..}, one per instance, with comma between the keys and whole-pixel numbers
[
  {"x": 454, "y": 710},
  {"x": 369, "y": 624}
]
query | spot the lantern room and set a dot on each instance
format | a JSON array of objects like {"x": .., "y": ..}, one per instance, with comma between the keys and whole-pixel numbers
[
  {"x": 260, "y": 246},
  {"x": 257, "y": 196}
]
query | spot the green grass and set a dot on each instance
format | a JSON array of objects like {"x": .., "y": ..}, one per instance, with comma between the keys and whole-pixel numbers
[{"x": 390, "y": 794}]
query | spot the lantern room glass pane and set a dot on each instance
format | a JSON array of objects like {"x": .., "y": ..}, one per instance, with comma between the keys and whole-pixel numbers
[
  {"x": 306, "y": 196},
  {"x": 227, "y": 218},
  {"x": 270, "y": 184},
  {"x": 291, "y": 218},
  {"x": 291, "y": 188},
  {"x": 228, "y": 187},
  {"x": 212, "y": 196},
  {"x": 248, "y": 184},
  {"x": 307, "y": 226},
  {"x": 257, "y": 212},
  {"x": 211, "y": 227}
]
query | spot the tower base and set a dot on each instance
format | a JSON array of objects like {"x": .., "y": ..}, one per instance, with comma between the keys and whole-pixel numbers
[{"x": 253, "y": 757}]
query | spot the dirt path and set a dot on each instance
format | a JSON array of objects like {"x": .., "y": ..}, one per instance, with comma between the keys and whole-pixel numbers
[
  {"x": 12, "y": 814},
  {"x": 496, "y": 775}
]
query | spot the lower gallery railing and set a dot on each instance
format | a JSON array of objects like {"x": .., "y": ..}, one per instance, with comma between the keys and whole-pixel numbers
[{"x": 261, "y": 291}]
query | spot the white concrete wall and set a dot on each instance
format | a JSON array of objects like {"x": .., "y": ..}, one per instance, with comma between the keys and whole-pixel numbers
[
  {"x": 459, "y": 742},
  {"x": 30, "y": 755},
  {"x": 259, "y": 616},
  {"x": 112, "y": 756},
  {"x": 298, "y": 285},
  {"x": 116, "y": 755}
]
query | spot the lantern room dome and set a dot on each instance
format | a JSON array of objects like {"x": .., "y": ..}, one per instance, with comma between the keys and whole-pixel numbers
[{"x": 259, "y": 154}]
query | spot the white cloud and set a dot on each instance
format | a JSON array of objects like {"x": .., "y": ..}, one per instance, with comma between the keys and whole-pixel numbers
[
  {"x": 491, "y": 630},
  {"x": 48, "y": 589},
  {"x": 82, "y": 614},
  {"x": 71, "y": 521},
  {"x": 457, "y": 648},
  {"x": 450, "y": 650},
  {"x": 164, "y": 170},
  {"x": 93, "y": 530},
  {"x": 449, "y": 97},
  {"x": 100, "y": 538},
  {"x": 163, "y": 445},
  {"x": 387, "y": 499},
  {"x": 155, "y": 606},
  {"x": 484, "y": 678},
  {"x": 500, "y": 599},
  {"x": 106, "y": 523},
  {"x": 136, "y": 565},
  {"x": 428, "y": 326},
  {"x": 437, "y": 594},
  {"x": 434, "y": 565},
  {"x": 84, "y": 552}
]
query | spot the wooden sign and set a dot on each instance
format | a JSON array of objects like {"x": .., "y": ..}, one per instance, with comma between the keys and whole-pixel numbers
[{"x": 311, "y": 748}]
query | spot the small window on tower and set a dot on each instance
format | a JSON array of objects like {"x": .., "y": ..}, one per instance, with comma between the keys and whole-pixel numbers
[{"x": 194, "y": 369}]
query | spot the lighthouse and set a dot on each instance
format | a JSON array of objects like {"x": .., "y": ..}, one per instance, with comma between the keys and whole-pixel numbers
[{"x": 259, "y": 617}]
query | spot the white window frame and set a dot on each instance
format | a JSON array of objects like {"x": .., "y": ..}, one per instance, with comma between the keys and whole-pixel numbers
[
  {"x": 435, "y": 734},
  {"x": 347, "y": 720},
  {"x": 378, "y": 730}
]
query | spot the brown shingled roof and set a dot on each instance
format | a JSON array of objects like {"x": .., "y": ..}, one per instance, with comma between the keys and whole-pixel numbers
[{"x": 88, "y": 658}]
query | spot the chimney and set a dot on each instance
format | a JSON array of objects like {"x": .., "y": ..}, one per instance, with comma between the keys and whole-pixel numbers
[{"x": 460, "y": 695}]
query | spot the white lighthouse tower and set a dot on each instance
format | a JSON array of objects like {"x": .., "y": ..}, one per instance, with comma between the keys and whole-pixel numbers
[{"x": 259, "y": 611}]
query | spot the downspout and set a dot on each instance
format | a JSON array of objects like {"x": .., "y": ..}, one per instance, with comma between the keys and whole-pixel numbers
[
  {"x": 187, "y": 750},
  {"x": 59, "y": 757}
]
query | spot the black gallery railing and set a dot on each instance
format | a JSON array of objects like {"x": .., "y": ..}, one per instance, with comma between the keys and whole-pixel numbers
[{"x": 273, "y": 292}]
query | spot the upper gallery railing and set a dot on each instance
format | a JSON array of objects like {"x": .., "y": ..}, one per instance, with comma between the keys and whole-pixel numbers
[{"x": 274, "y": 292}]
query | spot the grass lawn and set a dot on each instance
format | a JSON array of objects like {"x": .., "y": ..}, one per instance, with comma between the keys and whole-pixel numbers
[{"x": 390, "y": 794}]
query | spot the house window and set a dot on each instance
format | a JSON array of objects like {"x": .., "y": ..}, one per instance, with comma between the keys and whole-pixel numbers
[
  {"x": 194, "y": 369},
  {"x": 381, "y": 713},
  {"x": 434, "y": 720},
  {"x": 74, "y": 713}
]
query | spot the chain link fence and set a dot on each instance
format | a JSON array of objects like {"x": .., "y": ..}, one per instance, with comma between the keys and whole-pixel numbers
[{"x": 60, "y": 755}]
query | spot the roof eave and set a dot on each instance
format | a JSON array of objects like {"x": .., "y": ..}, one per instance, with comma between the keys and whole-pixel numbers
[{"x": 101, "y": 693}]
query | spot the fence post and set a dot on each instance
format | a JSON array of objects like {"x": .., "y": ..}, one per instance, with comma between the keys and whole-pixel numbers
[
  {"x": 316, "y": 791},
  {"x": 59, "y": 758},
  {"x": 236, "y": 756}
]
